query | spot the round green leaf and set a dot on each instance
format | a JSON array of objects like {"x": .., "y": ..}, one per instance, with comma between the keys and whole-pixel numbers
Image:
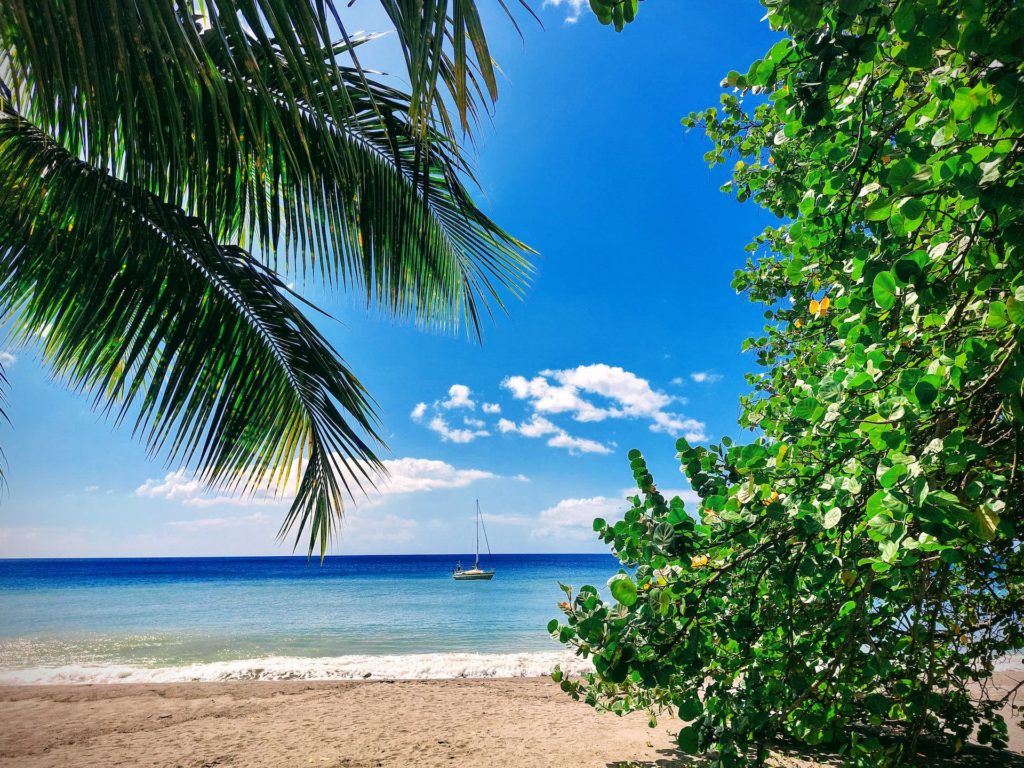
[
  {"x": 912, "y": 210},
  {"x": 1015, "y": 311},
  {"x": 906, "y": 269},
  {"x": 926, "y": 391},
  {"x": 690, "y": 709},
  {"x": 805, "y": 408},
  {"x": 688, "y": 740},
  {"x": 884, "y": 290},
  {"x": 623, "y": 589}
]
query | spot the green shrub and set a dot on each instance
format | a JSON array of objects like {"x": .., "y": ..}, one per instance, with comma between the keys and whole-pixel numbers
[{"x": 853, "y": 572}]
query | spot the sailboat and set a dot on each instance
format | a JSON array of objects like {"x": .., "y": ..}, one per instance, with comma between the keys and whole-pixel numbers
[{"x": 476, "y": 573}]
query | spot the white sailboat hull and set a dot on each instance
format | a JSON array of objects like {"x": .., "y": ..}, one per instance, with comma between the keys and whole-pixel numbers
[
  {"x": 473, "y": 575},
  {"x": 476, "y": 573}
]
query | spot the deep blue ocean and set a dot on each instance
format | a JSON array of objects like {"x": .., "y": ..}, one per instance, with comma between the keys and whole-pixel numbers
[{"x": 282, "y": 617}]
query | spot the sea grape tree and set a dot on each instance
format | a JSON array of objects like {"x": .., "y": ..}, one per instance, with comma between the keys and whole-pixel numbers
[{"x": 854, "y": 569}]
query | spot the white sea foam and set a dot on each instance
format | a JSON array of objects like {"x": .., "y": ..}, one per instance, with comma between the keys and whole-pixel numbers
[{"x": 418, "y": 666}]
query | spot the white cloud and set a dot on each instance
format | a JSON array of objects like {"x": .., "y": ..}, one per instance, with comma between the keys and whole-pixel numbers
[
  {"x": 458, "y": 397},
  {"x": 574, "y": 518},
  {"x": 491, "y": 408},
  {"x": 207, "y": 523},
  {"x": 434, "y": 418},
  {"x": 625, "y": 394},
  {"x": 538, "y": 426},
  {"x": 175, "y": 486},
  {"x": 691, "y": 429},
  {"x": 411, "y": 475},
  {"x": 705, "y": 377},
  {"x": 573, "y": 8},
  {"x": 8, "y": 358},
  {"x": 91, "y": 488},
  {"x": 577, "y": 444},
  {"x": 451, "y": 435},
  {"x": 677, "y": 381},
  {"x": 535, "y": 427},
  {"x": 405, "y": 475},
  {"x": 546, "y": 397}
]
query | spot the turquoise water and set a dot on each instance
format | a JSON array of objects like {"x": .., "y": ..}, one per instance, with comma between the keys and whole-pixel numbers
[{"x": 200, "y": 618}]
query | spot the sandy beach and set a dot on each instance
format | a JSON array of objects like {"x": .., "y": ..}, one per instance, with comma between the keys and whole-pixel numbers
[{"x": 524, "y": 722}]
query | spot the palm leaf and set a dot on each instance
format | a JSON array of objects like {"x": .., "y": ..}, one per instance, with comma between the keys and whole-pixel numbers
[
  {"x": 137, "y": 304},
  {"x": 275, "y": 144}
]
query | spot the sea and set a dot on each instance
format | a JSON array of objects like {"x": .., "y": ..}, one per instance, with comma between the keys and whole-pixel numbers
[{"x": 284, "y": 618}]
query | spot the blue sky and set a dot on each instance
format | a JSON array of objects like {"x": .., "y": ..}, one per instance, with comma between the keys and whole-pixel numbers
[{"x": 629, "y": 336}]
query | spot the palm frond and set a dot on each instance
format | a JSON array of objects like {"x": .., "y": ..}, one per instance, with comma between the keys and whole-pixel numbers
[
  {"x": 197, "y": 342},
  {"x": 247, "y": 120}
]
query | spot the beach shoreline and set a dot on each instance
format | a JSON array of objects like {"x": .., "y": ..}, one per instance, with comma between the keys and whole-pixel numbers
[{"x": 522, "y": 722}]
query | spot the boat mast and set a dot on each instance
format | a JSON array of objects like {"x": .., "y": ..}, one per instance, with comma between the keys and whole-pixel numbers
[{"x": 476, "y": 564}]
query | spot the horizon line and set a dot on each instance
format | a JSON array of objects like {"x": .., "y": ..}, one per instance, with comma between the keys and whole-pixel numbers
[{"x": 306, "y": 557}]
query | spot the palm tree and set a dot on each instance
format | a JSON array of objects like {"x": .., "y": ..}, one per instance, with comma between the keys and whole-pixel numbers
[{"x": 166, "y": 164}]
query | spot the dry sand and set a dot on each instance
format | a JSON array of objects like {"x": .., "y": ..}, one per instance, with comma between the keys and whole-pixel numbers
[{"x": 526, "y": 723}]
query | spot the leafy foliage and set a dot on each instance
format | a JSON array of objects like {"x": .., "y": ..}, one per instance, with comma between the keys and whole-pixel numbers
[
  {"x": 160, "y": 161},
  {"x": 856, "y": 570}
]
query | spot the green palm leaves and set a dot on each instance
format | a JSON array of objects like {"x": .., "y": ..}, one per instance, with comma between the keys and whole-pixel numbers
[{"x": 149, "y": 149}]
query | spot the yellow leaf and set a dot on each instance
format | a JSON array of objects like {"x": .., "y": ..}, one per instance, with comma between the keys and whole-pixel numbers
[
  {"x": 986, "y": 522},
  {"x": 814, "y": 306}
]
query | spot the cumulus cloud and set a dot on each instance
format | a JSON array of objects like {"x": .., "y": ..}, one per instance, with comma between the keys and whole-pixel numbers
[
  {"x": 8, "y": 358},
  {"x": 491, "y": 408},
  {"x": 458, "y": 397},
  {"x": 705, "y": 377},
  {"x": 574, "y": 518},
  {"x": 622, "y": 394},
  {"x": 538, "y": 426},
  {"x": 411, "y": 475},
  {"x": 174, "y": 486},
  {"x": 178, "y": 486},
  {"x": 405, "y": 475},
  {"x": 449, "y": 434},
  {"x": 434, "y": 416},
  {"x": 573, "y": 8},
  {"x": 577, "y": 444}
]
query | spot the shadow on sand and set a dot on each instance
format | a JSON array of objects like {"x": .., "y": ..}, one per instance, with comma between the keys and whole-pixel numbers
[{"x": 785, "y": 753}]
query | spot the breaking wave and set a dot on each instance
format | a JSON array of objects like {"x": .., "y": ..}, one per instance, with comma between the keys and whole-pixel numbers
[{"x": 416, "y": 666}]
